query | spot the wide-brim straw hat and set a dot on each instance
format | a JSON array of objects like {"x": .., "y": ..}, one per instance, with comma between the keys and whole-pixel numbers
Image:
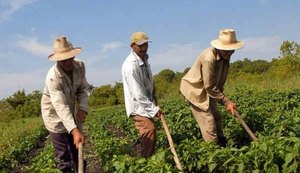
[
  {"x": 63, "y": 49},
  {"x": 227, "y": 40}
]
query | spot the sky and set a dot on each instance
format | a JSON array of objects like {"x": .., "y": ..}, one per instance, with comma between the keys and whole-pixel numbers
[{"x": 179, "y": 31}]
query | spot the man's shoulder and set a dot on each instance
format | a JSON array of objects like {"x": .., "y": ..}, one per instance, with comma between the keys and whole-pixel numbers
[
  {"x": 131, "y": 58},
  {"x": 53, "y": 75},
  {"x": 130, "y": 62},
  {"x": 79, "y": 62},
  {"x": 52, "y": 71},
  {"x": 208, "y": 55}
]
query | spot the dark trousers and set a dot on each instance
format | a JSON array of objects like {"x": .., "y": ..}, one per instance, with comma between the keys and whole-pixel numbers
[{"x": 66, "y": 154}]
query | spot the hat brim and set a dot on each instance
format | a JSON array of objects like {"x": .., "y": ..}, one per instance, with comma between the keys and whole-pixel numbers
[
  {"x": 65, "y": 55},
  {"x": 142, "y": 42},
  {"x": 233, "y": 46}
]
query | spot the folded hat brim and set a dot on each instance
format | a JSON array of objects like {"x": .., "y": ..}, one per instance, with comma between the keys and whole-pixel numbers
[
  {"x": 233, "y": 46},
  {"x": 64, "y": 55},
  {"x": 142, "y": 42}
]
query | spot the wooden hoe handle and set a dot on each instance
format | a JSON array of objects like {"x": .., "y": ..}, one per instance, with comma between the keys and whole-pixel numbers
[
  {"x": 251, "y": 134},
  {"x": 178, "y": 164},
  {"x": 80, "y": 159}
]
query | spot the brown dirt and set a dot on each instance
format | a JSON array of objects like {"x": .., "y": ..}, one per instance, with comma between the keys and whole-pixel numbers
[
  {"x": 135, "y": 146},
  {"x": 136, "y": 150},
  {"x": 93, "y": 163}
]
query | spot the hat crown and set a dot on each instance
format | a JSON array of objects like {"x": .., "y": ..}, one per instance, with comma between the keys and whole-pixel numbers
[
  {"x": 227, "y": 36},
  {"x": 63, "y": 49},
  {"x": 62, "y": 45},
  {"x": 227, "y": 40},
  {"x": 139, "y": 37}
]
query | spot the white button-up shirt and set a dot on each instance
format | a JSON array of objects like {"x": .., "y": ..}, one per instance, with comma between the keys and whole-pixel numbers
[{"x": 138, "y": 87}]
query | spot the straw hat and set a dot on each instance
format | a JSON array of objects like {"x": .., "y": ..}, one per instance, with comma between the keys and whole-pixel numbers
[
  {"x": 139, "y": 38},
  {"x": 63, "y": 49},
  {"x": 227, "y": 40}
]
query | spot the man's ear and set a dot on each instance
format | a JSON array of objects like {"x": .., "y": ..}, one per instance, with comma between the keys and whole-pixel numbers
[{"x": 132, "y": 44}]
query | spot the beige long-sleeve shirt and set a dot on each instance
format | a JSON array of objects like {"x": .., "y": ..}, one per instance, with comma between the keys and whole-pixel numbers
[
  {"x": 59, "y": 95},
  {"x": 205, "y": 80}
]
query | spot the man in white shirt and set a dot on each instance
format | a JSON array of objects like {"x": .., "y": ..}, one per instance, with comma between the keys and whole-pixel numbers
[{"x": 138, "y": 91}]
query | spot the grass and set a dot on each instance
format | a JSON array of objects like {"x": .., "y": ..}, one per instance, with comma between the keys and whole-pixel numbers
[{"x": 14, "y": 131}]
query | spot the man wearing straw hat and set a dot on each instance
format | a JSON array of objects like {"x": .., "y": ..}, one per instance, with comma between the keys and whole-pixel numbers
[
  {"x": 138, "y": 91},
  {"x": 65, "y": 83},
  {"x": 203, "y": 85}
]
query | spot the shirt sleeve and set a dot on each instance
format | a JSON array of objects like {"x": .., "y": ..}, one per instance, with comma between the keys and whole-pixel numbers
[
  {"x": 82, "y": 91},
  {"x": 209, "y": 80},
  {"x": 146, "y": 107},
  {"x": 60, "y": 104}
]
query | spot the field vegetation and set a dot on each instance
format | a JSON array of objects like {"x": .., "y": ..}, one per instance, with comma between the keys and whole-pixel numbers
[{"x": 268, "y": 98}]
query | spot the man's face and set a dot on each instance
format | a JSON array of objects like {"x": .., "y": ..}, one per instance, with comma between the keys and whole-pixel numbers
[
  {"x": 140, "y": 50},
  {"x": 226, "y": 54},
  {"x": 67, "y": 65}
]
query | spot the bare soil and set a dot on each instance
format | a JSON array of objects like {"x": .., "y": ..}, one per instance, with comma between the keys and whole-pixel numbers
[{"x": 93, "y": 163}]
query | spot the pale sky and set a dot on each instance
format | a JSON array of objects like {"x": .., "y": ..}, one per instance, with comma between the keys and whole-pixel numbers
[{"x": 179, "y": 30}]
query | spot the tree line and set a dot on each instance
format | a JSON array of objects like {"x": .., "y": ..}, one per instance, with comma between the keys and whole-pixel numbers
[{"x": 166, "y": 82}]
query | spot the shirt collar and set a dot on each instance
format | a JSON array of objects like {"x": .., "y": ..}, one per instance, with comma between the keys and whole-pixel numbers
[
  {"x": 218, "y": 57},
  {"x": 138, "y": 59},
  {"x": 61, "y": 72}
]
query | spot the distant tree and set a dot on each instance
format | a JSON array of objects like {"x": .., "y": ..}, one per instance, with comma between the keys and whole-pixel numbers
[
  {"x": 239, "y": 65},
  {"x": 166, "y": 83},
  {"x": 248, "y": 66},
  {"x": 288, "y": 63},
  {"x": 32, "y": 106},
  {"x": 118, "y": 89},
  {"x": 107, "y": 95},
  {"x": 290, "y": 49},
  {"x": 257, "y": 67},
  {"x": 21, "y": 105},
  {"x": 6, "y": 110},
  {"x": 165, "y": 75},
  {"x": 102, "y": 96},
  {"x": 18, "y": 98}
]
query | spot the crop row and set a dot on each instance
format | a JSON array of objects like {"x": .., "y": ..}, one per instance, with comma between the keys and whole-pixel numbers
[
  {"x": 19, "y": 137},
  {"x": 274, "y": 116}
]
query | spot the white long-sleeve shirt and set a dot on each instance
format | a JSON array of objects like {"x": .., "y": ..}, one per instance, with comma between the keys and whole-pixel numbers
[
  {"x": 138, "y": 87},
  {"x": 58, "y": 100}
]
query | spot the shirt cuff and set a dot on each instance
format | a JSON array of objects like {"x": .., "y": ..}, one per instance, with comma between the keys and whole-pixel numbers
[{"x": 155, "y": 112}]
